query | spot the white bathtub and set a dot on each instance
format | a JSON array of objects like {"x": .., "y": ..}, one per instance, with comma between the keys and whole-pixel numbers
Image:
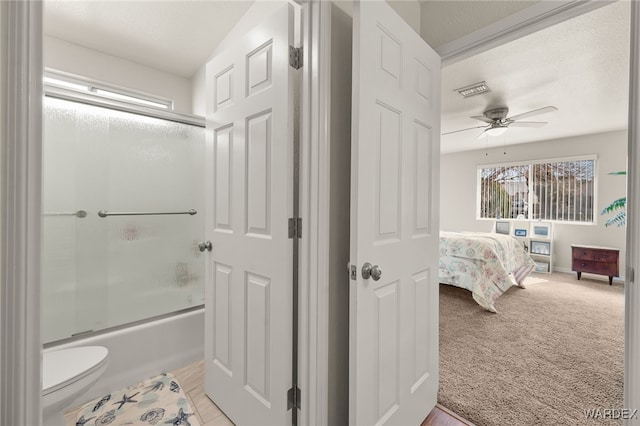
[{"x": 142, "y": 351}]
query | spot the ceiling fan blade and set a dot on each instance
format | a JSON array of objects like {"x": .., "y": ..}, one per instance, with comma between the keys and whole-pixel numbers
[
  {"x": 483, "y": 118},
  {"x": 533, "y": 112},
  {"x": 528, "y": 124},
  {"x": 482, "y": 134},
  {"x": 463, "y": 130}
]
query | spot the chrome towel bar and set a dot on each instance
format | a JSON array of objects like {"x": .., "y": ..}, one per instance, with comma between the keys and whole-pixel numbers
[
  {"x": 104, "y": 213},
  {"x": 79, "y": 213}
]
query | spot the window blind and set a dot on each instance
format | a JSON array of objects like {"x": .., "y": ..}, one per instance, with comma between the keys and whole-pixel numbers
[{"x": 555, "y": 191}]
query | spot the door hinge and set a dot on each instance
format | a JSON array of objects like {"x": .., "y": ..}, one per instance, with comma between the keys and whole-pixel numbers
[
  {"x": 629, "y": 275},
  {"x": 293, "y": 398},
  {"x": 295, "y": 227},
  {"x": 295, "y": 57}
]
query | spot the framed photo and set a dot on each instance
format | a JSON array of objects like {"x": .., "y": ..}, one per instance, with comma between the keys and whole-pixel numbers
[
  {"x": 520, "y": 232},
  {"x": 503, "y": 228},
  {"x": 540, "y": 247},
  {"x": 541, "y": 229},
  {"x": 542, "y": 267}
]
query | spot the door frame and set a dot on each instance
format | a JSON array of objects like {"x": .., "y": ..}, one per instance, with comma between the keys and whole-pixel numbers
[
  {"x": 20, "y": 165},
  {"x": 631, "y": 293},
  {"x": 20, "y": 211},
  {"x": 313, "y": 271}
]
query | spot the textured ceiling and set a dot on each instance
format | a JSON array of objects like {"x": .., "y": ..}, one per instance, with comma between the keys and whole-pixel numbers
[
  {"x": 177, "y": 36},
  {"x": 580, "y": 66},
  {"x": 445, "y": 20},
  {"x": 173, "y": 36}
]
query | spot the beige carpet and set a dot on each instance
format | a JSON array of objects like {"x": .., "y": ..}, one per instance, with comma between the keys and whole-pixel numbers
[{"x": 554, "y": 350}]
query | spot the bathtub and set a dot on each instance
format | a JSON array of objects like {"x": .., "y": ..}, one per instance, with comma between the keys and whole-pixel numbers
[{"x": 144, "y": 350}]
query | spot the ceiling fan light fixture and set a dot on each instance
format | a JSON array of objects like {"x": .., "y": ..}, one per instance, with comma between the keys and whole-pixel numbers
[{"x": 496, "y": 130}]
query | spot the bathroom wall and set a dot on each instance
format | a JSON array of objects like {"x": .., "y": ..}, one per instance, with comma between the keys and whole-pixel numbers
[{"x": 64, "y": 56}]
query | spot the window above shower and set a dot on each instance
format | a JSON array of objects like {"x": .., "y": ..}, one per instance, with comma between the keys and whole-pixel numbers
[{"x": 55, "y": 81}]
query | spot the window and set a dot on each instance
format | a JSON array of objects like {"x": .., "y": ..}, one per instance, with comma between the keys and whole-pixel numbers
[
  {"x": 62, "y": 81},
  {"x": 558, "y": 190}
]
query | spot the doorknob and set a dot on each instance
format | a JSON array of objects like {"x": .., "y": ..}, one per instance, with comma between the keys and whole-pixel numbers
[
  {"x": 205, "y": 246},
  {"x": 371, "y": 271}
]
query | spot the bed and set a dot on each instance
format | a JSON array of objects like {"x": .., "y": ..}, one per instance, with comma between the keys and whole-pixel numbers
[{"x": 486, "y": 264}]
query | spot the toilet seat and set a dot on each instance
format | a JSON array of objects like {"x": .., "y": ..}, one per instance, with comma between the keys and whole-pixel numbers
[{"x": 60, "y": 368}]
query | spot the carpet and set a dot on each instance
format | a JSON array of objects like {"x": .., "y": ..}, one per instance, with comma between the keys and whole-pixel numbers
[
  {"x": 158, "y": 400},
  {"x": 554, "y": 350}
]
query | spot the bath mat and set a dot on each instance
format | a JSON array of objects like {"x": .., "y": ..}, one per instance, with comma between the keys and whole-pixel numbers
[{"x": 156, "y": 401}]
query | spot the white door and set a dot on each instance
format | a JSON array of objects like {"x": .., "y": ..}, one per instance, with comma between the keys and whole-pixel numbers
[
  {"x": 248, "y": 290},
  {"x": 393, "y": 353}
]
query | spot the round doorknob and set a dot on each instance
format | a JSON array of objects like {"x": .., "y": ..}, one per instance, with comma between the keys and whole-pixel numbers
[
  {"x": 376, "y": 272},
  {"x": 205, "y": 246},
  {"x": 371, "y": 271}
]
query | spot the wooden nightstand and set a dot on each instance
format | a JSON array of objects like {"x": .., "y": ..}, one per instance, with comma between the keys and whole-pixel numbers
[{"x": 595, "y": 260}]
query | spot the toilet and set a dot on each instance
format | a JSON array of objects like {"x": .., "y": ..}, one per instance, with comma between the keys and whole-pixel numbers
[{"x": 66, "y": 375}]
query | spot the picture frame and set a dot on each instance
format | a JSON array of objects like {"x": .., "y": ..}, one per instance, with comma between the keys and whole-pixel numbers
[
  {"x": 503, "y": 228},
  {"x": 541, "y": 229},
  {"x": 520, "y": 232},
  {"x": 540, "y": 247},
  {"x": 541, "y": 267}
]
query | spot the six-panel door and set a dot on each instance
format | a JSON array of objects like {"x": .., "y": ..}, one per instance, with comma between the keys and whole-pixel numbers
[
  {"x": 248, "y": 289},
  {"x": 394, "y": 220}
]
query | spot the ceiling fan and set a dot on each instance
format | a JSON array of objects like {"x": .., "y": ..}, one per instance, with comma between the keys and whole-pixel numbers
[{"x": 498, "y": 122}]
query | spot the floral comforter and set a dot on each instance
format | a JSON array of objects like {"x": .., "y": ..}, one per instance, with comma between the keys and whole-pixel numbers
[{"x": 486, "y": 264}]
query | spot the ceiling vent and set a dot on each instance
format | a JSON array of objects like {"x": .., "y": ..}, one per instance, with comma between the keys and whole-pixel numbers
[{"x": 473, "y": 90}]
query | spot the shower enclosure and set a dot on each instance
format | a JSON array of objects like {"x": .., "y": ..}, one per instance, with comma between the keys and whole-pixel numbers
[{"x": 123, "y": 215}]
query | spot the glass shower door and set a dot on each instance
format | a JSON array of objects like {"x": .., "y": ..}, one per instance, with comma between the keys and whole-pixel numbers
[{"x": 107, "y": 270}]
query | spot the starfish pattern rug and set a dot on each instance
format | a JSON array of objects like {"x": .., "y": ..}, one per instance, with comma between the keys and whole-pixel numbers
[{"x": 156, "y": 401}]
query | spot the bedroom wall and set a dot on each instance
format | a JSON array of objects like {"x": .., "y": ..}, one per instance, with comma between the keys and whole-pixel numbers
[
  {"x": 75, "y": 59},
  {"x": 459, "y": 184}
]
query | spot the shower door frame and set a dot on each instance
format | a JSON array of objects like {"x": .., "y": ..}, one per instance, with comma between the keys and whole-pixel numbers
[{"x": 50, "y": 91}]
